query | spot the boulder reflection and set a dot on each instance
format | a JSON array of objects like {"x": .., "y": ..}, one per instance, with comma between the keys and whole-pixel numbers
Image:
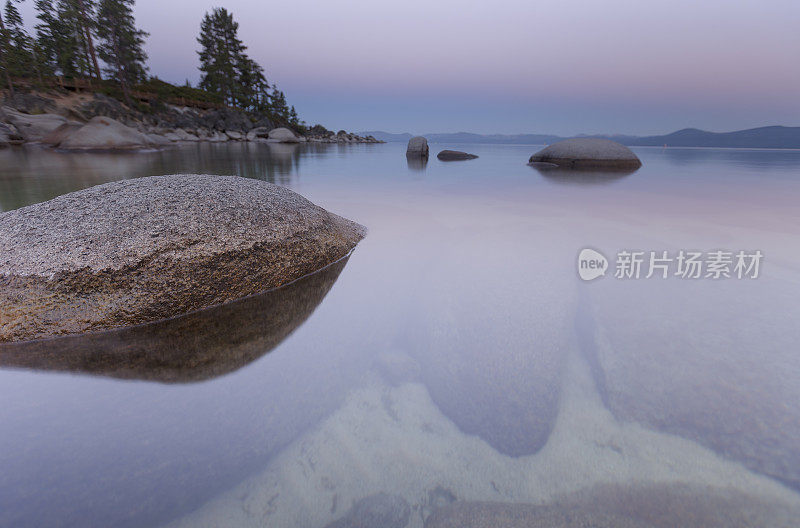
[
  {"x": 190, "y": 348},
  {"x": 566, "y": 176},
  {"x": 417, "y": 163}
]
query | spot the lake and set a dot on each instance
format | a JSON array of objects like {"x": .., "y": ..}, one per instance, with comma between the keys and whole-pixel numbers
[{"x": 455, "y": 356}]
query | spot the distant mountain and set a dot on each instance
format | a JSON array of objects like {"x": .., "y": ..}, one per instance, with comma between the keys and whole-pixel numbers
[{"x": 764, "y": 137}]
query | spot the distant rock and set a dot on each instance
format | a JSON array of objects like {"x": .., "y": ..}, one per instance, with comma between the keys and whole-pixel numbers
[
  {"x": 35, "y": 127},
  {"x": 376, "y": 511},
  {"x": 417, "y": 147},
  {"x": 588, "y": 153},
  {"x": 283, "y": 135},
  {"x": 145, "y": 249},
  {"x": 102, "y": 133},
  {"x": 258, "y": 134},
  {"x": 234, "y": 135},
  {"x": 455, "y": 155},
  {"x": 158, "y": 140},
  {"x": 58, "y": 135}
]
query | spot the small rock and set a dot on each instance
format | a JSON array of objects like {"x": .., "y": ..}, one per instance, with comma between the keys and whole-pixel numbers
[
  {"x": 455, "y": 155},
  {"x": 282, "y": 135}
]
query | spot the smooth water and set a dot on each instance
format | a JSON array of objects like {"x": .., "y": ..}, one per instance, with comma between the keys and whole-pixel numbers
[{"x": 456, "y": 355}]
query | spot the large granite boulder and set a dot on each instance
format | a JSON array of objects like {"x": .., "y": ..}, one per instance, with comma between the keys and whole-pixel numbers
[
  {"x": 58, "y": 135},
  {"x": 417, "y": 147},
  {"x": 34, "y": 127},
  {"x": 198, "y": 346},
  {"x": 282, "y": 135},
  {"x": 141, "y": 250},
  {"x": 588, "y": 153},
  {"x": 102, "y": 133},
  {"x": 635, "y": 506},
  {"x": 455, "y": 155}
]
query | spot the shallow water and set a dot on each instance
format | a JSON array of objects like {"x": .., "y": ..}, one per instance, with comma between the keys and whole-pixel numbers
[{"x": 455, "y": 356}]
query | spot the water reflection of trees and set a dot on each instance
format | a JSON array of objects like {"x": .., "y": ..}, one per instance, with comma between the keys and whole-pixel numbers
[{"x": 34, "y": 174}]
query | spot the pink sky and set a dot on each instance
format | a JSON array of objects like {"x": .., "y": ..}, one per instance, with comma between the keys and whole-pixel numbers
[{"x": 560, "y": 66}]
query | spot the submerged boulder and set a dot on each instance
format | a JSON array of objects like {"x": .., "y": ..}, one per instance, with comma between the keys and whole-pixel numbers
[
  {"x": 376, "y": 511},
  {"x": 588, "y": 153},
  {"x": 455, "y": 155},
  {"x": 146, "y": 249},
  {"x": 712, "y": 361},
  {"x": 282, "y": 135},
  {"x": 417, "y": 147},
  {"x": 635, "y": 506},
  {"x": 104, "y": 133}
]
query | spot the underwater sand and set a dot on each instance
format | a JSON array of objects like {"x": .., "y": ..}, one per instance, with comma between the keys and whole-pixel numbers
[{"x": 395, "y": 440}]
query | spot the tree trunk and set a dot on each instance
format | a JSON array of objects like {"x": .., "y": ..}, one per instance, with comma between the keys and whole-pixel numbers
[
  {"x": 121, "y": 73},
  {"x": 3, "y": 57},
  {"x": 89, "y": 42}
]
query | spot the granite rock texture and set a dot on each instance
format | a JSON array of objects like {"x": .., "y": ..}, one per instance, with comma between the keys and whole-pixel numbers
[
  {"x": 142, "y": 250},
  {"x": 588, "y": 153}
]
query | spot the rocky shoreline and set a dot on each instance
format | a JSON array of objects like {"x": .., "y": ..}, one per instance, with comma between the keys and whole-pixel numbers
[{"x": 53, "y": 117}]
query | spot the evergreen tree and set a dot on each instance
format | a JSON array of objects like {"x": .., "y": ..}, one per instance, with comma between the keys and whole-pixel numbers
[
  {"x": 64, "y": 37},
  {"x": 4, "y": 54},
  {"x": 226, "y": 69},
  {"x": 17, "y": 53},
  {"x": 121, "y": 44}
]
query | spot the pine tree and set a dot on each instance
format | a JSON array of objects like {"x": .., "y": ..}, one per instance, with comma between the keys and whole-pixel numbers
[
  {"x": 17, "y": 45},
  {"x": 64, "y": 37},
  {"x": 4, "y": 54},
  {"x": 121, "y": 44},
  {"x": 226, "y": 69}
]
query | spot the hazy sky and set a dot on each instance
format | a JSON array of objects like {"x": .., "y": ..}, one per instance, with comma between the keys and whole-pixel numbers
[{"x": 508, "y": 66}]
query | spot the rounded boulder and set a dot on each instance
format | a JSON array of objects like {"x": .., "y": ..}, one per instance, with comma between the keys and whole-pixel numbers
[
  {"x": 588, "y": 153},
  {"x": 146, "y": 249}
]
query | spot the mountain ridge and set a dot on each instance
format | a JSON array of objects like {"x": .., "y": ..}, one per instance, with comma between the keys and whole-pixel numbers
[{"x": 774, "y": 136}]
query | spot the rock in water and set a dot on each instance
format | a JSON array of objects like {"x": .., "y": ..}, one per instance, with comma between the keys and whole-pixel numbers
[
  {"x": 198, "y": 346},
  {"x": 141, "y": 250},
  {"x": 376, "y": 511},
  {"x": 455, "y": 155},
  {"x": 104, "y": 133},
  {"x": 588, "y": 153},
  {"x": 417, "y": 147},
  {"x": 282, "y": 135}
]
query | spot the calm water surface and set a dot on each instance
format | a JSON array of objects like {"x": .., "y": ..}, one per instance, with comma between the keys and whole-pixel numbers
[{"x": 455, "y": 356}]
